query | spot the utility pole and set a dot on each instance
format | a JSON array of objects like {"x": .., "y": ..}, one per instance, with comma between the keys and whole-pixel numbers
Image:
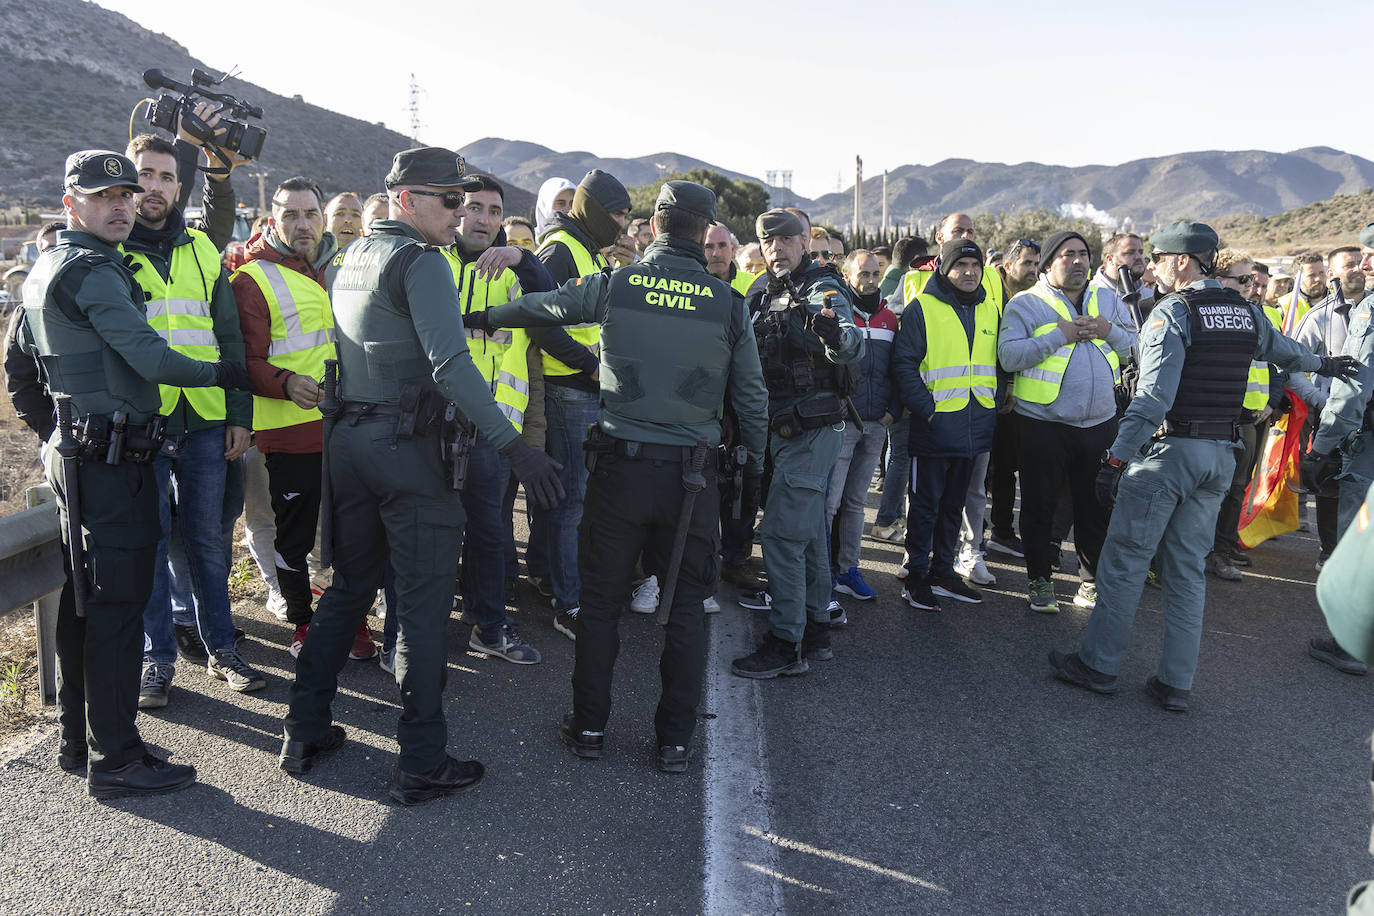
[
  {"x": 884, "y": 200},
  {"x": 414, "y": 110},
  {"x": 261, "y": 176},
  {"x": 858, "y": 195}
]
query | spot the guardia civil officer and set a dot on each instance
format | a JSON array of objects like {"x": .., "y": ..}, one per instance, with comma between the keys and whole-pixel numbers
[
  {"x": 806, "y": 333},
  {"x": 1343, "y": 447},
  {"x": 403, "y": 359},
  {"x": 1173, "y": 459},
  {"x": 97, "y": 354},
  {"x": 674, "y": 341}
]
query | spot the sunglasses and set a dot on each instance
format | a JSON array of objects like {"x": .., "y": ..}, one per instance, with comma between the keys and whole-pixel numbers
[
  {"x": 451, "y": 200},
  {"x": 1157, "y": 256},
  {"x": 824, "y": 255},
  {"x": 1243, "y": 279}
]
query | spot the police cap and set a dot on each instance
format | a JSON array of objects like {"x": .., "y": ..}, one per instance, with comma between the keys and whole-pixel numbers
[
  {"x": 687, "y": 195},
  {"x": 93, "y": 170},
  {"x": 1367, "y": 236},
  {"x": 432, "y": 166},
  {"x": 1184, "y": 237},
  {"x": 777, "y": 222}
]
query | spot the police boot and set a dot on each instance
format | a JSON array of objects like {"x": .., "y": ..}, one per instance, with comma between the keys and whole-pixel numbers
[
  {"x": 815, "y": 643},
  {"x": 772, "y": 658}
]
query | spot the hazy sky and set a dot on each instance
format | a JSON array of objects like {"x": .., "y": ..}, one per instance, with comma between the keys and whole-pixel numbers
[{"x": 807, "y": 85}]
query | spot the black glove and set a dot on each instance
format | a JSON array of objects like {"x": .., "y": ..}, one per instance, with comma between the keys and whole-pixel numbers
[
  {"x": 537, "y": 471},
  {"x": 1108, "y": 478},
  {"x": 1341, "y": 367},
  {"x": 231, "y": 376},
  {"x": 477, "y": 321},
  {"x": 1317, "y": 469},
  {"x": 827, "y": 328}
]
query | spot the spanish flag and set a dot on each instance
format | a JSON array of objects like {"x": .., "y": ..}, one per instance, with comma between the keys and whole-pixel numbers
[{"x": 1271, "y": 506}]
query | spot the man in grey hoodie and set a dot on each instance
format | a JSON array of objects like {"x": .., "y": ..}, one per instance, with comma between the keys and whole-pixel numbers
[{"x": 1064, "y": 341}]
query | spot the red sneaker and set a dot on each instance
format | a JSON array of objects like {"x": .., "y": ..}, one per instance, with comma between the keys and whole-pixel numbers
[
  {"x": 363, "y": 646},
  {"x": 298, "y": 640}
]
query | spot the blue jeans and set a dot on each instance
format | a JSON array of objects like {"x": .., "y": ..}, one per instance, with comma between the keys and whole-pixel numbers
[
  {"x": 570, "y": 411},
  {"x": 848, "y": 492},
  {"x": 200, "y": 472},
  {"x": 183, "y": 612},
  {"x": 896, "y": 476},
  {"x": 512, "y": 557},
  {"x": 484, "y": 543}
]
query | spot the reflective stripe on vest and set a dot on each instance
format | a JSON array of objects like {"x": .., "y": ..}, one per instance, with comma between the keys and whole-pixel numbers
[
  {"x": 950, "y": 371},
  {"x": 589, "y": 333},
  {"x": 178, "y": 308},
  {"x": 301, "y": 336},
  {"x": 1040, "y": 383},
  {"x": 501, "y": 354},
  {"x": 1257, "y": 385}
]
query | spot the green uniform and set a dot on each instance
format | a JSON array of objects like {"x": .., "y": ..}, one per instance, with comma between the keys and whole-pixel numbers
[
  {"x": 397, "y": 324},
  {"x": 674, "y": 343},
  {"x": 84, "y": 323},
  {"x": 792, "y": 531}
]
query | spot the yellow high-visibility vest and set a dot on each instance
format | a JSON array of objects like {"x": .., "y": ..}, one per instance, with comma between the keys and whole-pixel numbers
[
  {"x": 302, "y": 336},
  {"x": 1040, "y": 383},
  {"x": 743, "y": 280},
  {"x": 915, "y": 280},
  {"x": 501, "y": 353},
  {"x": 589, "y": 333},
  {"x": 951, "y": 369},
  {"x": 179, "y": 310}
]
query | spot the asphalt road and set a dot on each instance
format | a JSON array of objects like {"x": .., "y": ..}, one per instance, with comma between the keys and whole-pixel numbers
[{"x": 932, "y": 767}]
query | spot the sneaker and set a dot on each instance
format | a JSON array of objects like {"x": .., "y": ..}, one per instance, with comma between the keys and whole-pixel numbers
[
  {"x": 317, "y": 587},
  {"x": 1221, "y": 567},
  {"x": 645, "y": 597},
  {"x": 506, "y": 643},
  {"x": 1042, "y": 599},
  {"x": 585, "y": 744},
  {"x": 1238, "y": 557},
  {"x": 234, "y": 671},
  {"x": 189, "y": 644},
  {"x": 838, "y": 618},
  {"x": 710, "y": 605},
  {"x": 741, "y": 577},
  {"x": 956, "y": 588},
  {"x": 155, "y": 685},
  {"x": 1071, "y": 669},
  {"x": 1323, "y": 650},
  {"x": 894, "y": 533},
  {"x": 1010, "y": 545},
  {"x": 276, "y": 604},
  {"x": 386, "y": 660},
  {"x": 919, "y": 594},
  {"x": 565, "y": 622},
  {"x": 758, "y": 601},
  {"x": 298, "y": 640},
  {"x": 364, "y": 648},
  {"x": 815, "y": 643},
  {"x": 972, "y": 567},
  {"x": 542, "y": 584},
  {"x": 851, "y": 583},
  {"x": 902, "y": 572},
  {"x": 1087, "y": 596},
  {"x": 773, "y": 658}
]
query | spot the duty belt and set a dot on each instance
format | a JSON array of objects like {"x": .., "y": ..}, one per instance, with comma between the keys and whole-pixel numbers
[
  {"x": 1228, "y": 430},
  {"x": 111, "y": 440},
  {"x": 599, "y": 442}
]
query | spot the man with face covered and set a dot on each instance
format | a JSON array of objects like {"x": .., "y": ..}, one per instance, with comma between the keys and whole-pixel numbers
[
  {"x": 343, "y": 218},
  {"x": 806, "y": 334},
  {"x": 1064, "y": 340}
]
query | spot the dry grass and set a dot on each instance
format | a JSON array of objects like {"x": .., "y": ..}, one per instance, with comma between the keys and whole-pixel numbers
[
  {"x": 19, "y": 466},
  {"x": 20, "y": 703}
]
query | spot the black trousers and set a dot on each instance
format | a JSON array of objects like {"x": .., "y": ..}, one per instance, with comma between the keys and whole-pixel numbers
[
  {"x": 633, "y": 506},
  {"x": 1002, "y": 468},
  {"x": 1051, "y": 454},
  {"x": 939, "y": 489},
  {"x": 100, "y": 656},
  {"x": 293, "y": 480}
]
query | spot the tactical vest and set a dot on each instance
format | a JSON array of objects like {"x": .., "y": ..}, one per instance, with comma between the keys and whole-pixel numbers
[
  {"x": 793, "y": 359},
  {"x": 1211, "y": 386},
  {"x": 302, "y": 336},
  {"x": 913, "y": 281},
  {"x": 1257, "y": 385},
  {"x": 951, "y": 369},
  {"x": 179, "y": 310},
  {"x": 1040, "y": 384},
  {"x": 379, "y": 351},
  {"x": 73, "y": 359},
  {"x": 587, "y": 262},
  {"x": 677, "y": 323},
  {"x": 501, "y": 353},
  {"x": 743, "y": 280}
]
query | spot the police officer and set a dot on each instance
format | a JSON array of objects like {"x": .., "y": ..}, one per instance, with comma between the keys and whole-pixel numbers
[
  {"x": 1173, "y": 459},
  {"x": 84, "y": 324},
  {"x": 674, "y": 341},
  {"x": 1343, "y": 449},
  {"x": 403, "y": 360},
  {"x": 805, "y": 332}
]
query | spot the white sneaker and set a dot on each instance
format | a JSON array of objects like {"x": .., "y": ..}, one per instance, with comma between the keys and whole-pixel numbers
[
  {"x": 970, "y": 565},
  {"x": 645, "y": 598},
  {"x": 894, "y": 533},
  {"x": 276, "y": 604},
  {"x": 711, "y": 605}
]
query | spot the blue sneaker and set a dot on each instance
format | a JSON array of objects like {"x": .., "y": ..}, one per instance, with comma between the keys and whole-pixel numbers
[{"x": 852, "y": 583}]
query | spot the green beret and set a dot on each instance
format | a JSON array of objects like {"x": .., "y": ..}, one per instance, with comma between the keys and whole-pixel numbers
[
  {"x": 1184, "y": 237},
  {"x": 1367, "y": 236},
  {"x": 93, "y": 170},
  {"x": 689, "y": 196},
  {"x": 777, "y": 222}
]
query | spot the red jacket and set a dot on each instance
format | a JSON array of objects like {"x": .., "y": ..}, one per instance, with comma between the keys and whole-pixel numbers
[{"x": 256, "y": 322}]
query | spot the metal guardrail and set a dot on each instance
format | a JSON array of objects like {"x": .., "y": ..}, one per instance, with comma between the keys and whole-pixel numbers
[{"x": 31, "y": 573}]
